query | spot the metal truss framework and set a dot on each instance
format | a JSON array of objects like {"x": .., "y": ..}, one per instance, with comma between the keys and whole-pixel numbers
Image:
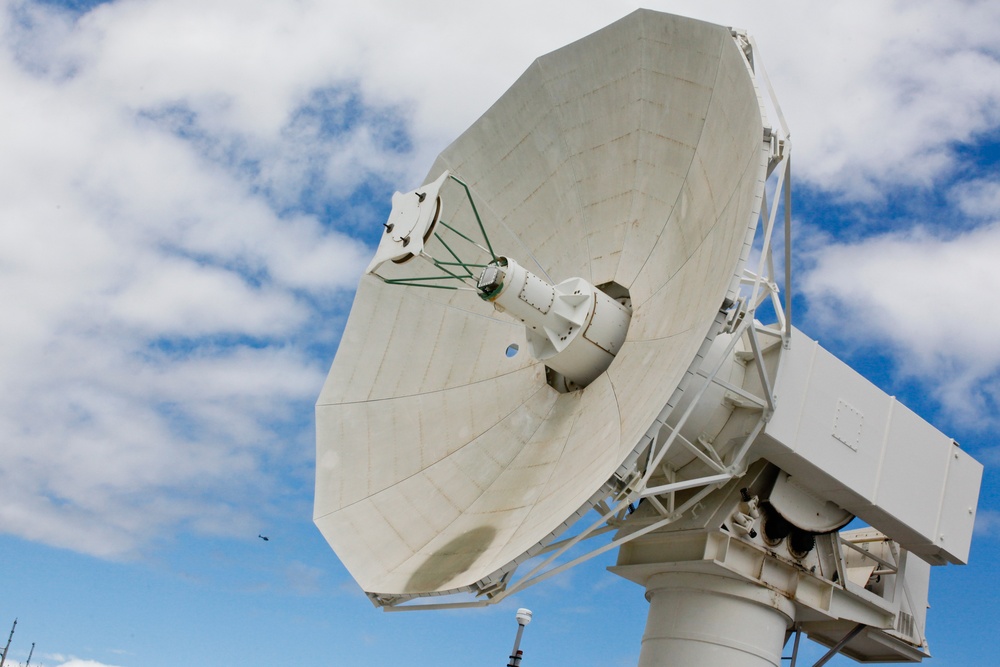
[{"x": 838, "y": 546}]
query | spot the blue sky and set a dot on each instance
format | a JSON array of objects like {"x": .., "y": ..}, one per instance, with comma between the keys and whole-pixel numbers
[{"x": 190, "y": 189}]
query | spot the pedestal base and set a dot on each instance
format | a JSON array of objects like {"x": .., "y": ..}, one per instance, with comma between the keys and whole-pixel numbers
[{"x": 702, "y": 620}]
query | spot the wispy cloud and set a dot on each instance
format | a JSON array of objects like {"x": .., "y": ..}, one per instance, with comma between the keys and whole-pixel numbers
[
  {"x": 987, "y": 523},
  {"x": 876, "y": 102},
  {"x": 921, "y": 295},
  {"x": 183, "y": 187},
  {"x": 78, "y": 662},
  {"x": 159, "y": 300}
]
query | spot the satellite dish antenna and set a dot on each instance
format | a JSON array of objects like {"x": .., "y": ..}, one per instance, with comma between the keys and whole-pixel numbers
[{"x": 563, "y": 321}]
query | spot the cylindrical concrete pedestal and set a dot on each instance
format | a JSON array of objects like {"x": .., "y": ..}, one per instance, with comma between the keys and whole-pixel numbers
[{"x": 700, "y": 620}]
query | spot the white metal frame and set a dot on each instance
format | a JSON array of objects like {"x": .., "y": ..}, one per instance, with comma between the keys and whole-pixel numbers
[{"x": 900, "y": 589}]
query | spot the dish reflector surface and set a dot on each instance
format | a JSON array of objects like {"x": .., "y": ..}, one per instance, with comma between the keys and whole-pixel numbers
[{"x": 634, "y": 156}]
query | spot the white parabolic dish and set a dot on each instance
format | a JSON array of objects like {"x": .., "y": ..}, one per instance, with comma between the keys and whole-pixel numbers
[{"x": 635, "y": 156}]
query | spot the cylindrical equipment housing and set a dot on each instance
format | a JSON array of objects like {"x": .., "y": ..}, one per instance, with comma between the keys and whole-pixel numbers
[{"x": 575, "y": 328}]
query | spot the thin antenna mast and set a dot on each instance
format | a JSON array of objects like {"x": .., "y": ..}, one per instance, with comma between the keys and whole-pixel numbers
[
  {"x": 523, "y": 618},
  {"x": 30, "y": 653},
  {"x": 3, "y": 658}
]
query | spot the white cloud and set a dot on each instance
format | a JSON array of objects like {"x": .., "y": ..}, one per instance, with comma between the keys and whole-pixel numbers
[
  {"x": 303, "y": 579},
  {"x": 178, "y": 188},
  {"x": 102, "y": 453},
  {"x": 927, "y": 298},
  {"x": 151, "y": 295},
  {"x": 877, "y": 94},
  {"x": 987, "y": 523},
  {"x": 979, "y": 198},
  {"x": 79, "y": 662},
  {"x": 869, "y": 88}
]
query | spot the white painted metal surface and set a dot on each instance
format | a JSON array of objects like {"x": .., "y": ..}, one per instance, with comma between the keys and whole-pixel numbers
[
  {"x": 412, "y": 221},
  {"x": 627, "y": 168},
  {"x": 634, "y": 157},
  {"x": 695, "y": 617},
  {"x": 575, "y": 329},
  {"x": 848, "y": 442},
  {"x": 799, "y": 506},
  {"x": 720, "y": 561}
]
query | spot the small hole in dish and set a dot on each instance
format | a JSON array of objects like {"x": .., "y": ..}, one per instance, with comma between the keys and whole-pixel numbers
[{"x": 512, "y": 350}]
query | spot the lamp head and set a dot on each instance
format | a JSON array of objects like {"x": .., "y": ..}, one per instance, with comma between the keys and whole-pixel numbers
[{"x": 523, "y": 616}]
